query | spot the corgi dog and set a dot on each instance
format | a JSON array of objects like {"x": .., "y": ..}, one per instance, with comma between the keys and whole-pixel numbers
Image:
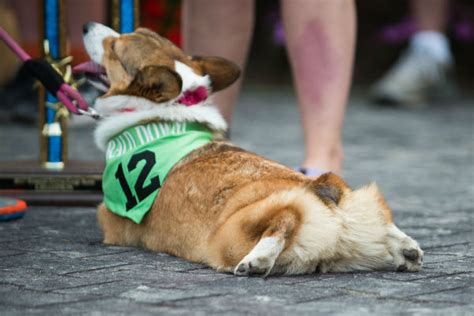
[{"x": 171, "y": 186}]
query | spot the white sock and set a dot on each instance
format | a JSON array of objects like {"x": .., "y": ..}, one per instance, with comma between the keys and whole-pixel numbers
[{"x": 432, "y": 43}]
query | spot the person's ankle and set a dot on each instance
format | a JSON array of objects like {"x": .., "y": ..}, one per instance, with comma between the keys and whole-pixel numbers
[{"x": 330, "y": 162}]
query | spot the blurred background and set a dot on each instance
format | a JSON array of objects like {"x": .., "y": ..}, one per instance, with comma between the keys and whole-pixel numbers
[
  {"x": 382, "y": 35},
  {"x": 383, "y": 31}
]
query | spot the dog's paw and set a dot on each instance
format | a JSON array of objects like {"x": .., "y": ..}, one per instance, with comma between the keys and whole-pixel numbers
[
  {"x": 261, "y": 259},
  {"x": 407, "y": 255},
  {"x": 413, "y": 260},
  {"x": 255, "y": 266}
]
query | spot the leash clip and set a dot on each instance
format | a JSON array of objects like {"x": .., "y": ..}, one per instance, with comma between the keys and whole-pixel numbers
[{"x": 90, "y": 112}]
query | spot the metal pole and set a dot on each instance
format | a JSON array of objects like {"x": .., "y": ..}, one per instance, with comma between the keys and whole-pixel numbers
[
  {"x": 124, "y": 15},
  {"x": 53, "y": 151}
]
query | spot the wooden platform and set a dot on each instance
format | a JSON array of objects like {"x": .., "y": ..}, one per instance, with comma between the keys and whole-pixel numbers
[{"x": 78, "y": 184}]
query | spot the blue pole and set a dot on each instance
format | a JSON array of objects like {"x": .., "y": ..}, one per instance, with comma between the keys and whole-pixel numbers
[
  {"x": 127, "y": 16},
  {"x": 52, "y": 128}
]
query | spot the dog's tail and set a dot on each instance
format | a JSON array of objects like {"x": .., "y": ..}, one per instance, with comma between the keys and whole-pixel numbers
[{"x": 299, "y": 216}]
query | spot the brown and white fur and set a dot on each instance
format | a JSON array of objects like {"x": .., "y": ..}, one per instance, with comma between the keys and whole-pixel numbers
[{"x": 223, "y": 206}]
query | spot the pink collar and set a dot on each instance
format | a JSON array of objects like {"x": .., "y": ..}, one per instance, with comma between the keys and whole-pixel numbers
[
  {"x": 193, "y": 97},
  {"x": 125, "y": 110}
]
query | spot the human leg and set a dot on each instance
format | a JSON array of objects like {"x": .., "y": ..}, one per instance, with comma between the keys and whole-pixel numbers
[
  {"x": 431, "y": 19},
  {"x": 320, "y": 38},
  {"x": 219, "y": 28},
  {"x": 422, "y": 71},
  {"x": 430, "y": 15}
]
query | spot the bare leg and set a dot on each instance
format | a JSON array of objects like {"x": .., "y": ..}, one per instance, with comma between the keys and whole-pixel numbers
[
  {"x": 219, "y": 28},
  {"x": 320, "y": 41},
  {"x": 430, "y": 15},
  {"x": 423, "y": 71},
  {"x": 431, "y": 18}
]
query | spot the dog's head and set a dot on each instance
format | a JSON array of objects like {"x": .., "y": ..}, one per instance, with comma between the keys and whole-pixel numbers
[{"x": 147, "y": 65}]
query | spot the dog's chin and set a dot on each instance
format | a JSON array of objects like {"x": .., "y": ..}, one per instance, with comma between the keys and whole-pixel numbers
[{"x": 95, "y": 74}]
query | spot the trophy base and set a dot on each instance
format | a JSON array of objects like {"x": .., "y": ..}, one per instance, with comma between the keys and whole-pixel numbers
[{"x": 79, "y": 183}]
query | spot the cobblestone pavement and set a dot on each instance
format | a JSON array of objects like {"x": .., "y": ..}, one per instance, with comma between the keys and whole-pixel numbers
[{"x": 52, "y": 261}]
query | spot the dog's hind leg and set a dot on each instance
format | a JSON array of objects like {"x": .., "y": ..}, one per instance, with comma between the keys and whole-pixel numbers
[
  {"x": 261, "y": 259},
  {"x": 251, "y": 240}
]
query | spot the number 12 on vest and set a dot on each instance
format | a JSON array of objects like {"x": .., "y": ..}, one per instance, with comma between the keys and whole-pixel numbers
[{"x": 141, "y": 191}]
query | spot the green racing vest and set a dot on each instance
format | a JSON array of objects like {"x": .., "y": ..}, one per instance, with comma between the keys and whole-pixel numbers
[{"x": 139, "y": 159}]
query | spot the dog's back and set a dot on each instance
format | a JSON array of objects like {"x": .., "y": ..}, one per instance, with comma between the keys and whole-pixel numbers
[{"x": 199, "y": 195}]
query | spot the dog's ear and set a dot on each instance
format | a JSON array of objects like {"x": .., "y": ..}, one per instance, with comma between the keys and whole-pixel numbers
[
  {"x": 118, "y": 75},
  {"x": 222, "y": 72},
  {"x": 329, "y": 188},
  {"x": 156, "y": 83}
]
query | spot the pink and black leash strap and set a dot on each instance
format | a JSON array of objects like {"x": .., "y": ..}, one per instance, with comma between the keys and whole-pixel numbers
[{"x": 51, "y": 79}]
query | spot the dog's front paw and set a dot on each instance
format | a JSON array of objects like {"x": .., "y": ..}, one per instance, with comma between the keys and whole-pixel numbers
[
  {"x": 407, "y": 255},
  {"x": 413, "y": 260}
]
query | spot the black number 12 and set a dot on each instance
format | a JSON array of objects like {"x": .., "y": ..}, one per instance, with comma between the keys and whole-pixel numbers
[{"x": 142, "y": 192}]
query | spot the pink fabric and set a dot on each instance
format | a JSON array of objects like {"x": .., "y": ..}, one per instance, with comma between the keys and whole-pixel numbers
[
  {"x": 72, "y": 95},
  {"x": 66, "y": 94},
  {"x": 126, "y": 110},
  {"x": 193, "y": 97},
  {"x": 13, "y": 45}
]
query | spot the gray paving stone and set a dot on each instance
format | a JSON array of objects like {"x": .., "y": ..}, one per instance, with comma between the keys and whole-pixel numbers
[{"x": 52, "y": 261}]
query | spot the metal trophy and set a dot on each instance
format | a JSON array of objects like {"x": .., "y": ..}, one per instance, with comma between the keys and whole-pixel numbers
[{"x": 53, "y": 179}]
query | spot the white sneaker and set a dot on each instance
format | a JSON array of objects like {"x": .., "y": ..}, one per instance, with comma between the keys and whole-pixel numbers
[{"x": 415, "y": 79}]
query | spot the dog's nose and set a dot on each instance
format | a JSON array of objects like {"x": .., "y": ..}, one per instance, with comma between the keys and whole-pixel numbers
[{"x": 87, "y": 27}]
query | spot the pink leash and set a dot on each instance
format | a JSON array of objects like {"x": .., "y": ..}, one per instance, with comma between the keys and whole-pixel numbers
[{"x": 69, "y": 96}]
